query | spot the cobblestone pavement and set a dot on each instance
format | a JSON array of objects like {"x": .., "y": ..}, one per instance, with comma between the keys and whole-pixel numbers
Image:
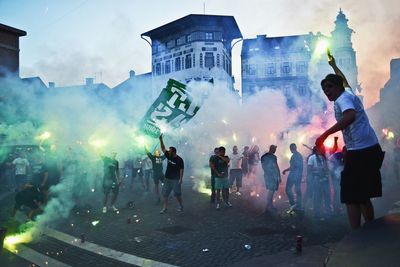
[{"x": 198, "y": 236}]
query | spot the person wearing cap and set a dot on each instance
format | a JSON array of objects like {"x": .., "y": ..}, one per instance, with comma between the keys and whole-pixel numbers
[
  {"x": 272, "y": 176},
  {"x": 361, "y": 177}
]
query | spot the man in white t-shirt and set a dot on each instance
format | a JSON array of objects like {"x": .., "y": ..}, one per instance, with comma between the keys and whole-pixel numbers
[
  {"x": 361, "y": 178},
  {"x": 21, "y": 169},
  {"x": 235, "y": 172}
]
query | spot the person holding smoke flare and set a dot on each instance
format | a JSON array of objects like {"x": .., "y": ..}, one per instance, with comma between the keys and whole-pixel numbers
[
  {"x": 361, "y": 177},
  {"x": 31, "y": 197},
  {"x": 158, "y": 176},
  {"x": 173, "y": 176},
  {"x": 111, "y": 180}
]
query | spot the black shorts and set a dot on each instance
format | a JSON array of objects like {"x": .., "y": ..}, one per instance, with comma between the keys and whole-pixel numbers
[
  {"x": 361, "y": 176},
  {"x": 109, "y": 186},
  {"x": 21, "y": 200}
]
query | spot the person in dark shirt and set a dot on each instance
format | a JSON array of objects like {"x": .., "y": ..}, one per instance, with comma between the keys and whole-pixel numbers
[
  {"x": 158, "y": 175},
  {"x": 173, "y": 176},
  {"x": 31, "y": 197},
  {"x": 111, "y": 180},
  {"x": 245, "y": 161},
  {"x": 272, "y": 176},
  {"x": 294, "y": 178},
  {"x": 213, "y": 192},
  {"x": 40, "y": 174},
  {"x": 219, "y": 165}
]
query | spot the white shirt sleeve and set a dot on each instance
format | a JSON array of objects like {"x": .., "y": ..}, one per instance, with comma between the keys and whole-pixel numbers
[{"x": 346, "y": 102}]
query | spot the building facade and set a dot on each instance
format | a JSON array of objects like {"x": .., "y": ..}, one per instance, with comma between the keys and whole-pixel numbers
[
  {"x": 193, "y": 47},
  {"x": 296, "y": 64},
  {"x": 384, "y": 114},
  {"x": 9, "y": 50}
]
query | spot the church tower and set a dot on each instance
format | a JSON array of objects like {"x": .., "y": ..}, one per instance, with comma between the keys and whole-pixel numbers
[{"x": 342, "y": 49}]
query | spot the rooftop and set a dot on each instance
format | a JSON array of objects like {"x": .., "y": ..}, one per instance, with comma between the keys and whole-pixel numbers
[
  {"x": 10, "y": 29},
  {"x": 227, "y": 22}
]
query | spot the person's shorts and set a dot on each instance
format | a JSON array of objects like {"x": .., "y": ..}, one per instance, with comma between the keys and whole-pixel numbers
[
  {"x": 361, "y": 176},
  {"x": 271, "y": 184},
  {"x": 221, "y": 183},
  {"x": 235, "y": 175},
  {"x": 137, "y": 172},
  {"x": 157, "y": 178},
  {"x": 109, "y": 186},
  {"x": 20, "y": 180},
  {"x": 147, "y": 174},
  {"x": 21, "y": 200},
  {"x": 171, "y": 185}
]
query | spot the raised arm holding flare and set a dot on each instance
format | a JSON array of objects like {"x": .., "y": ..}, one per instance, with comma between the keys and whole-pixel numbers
[{"x": 360, "y": 178}]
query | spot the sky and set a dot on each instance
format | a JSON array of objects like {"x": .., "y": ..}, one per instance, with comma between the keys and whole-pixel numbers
[{"x": 68, "y": 41}]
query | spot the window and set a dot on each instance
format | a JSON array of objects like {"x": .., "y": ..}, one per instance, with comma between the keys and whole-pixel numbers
[
  {"x": 270, "y": 69},
  {"x": 167, "y": 66},
  {"x": 189, "y": 38},
  {"x": 209, "y": 60},
  {"x": 286, "y": 90},
  {"x": 178, "y": 64},
  {"x": 301, "y": 67},
  {"x": 194, "y": 60},
  {"x": 302, "y": 90},
  {"x": 201, "y": 60},
  {"x": 158, "y": 69},
  {"x": 171, "y": 44},
  {"x": 209, "y": 35},
  {"x": 286, "y": 68},
  {"x": 183, "y": 63},
  {"x": 181, "y": 40},
  {"x": 160, "y": 48},
  {"x": 223, "y": 62},
  {"x": 218, "y": 61},
  {"x": 188, "y": 61},
  {"x": 250, "y": 69}
]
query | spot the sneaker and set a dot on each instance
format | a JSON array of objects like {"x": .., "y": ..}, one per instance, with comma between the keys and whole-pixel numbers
[
  {"x": 180, "y": 209},
  {"x": 228, "y": 204},
  {"x": 104, "y": 209},
  {"x": 114, "y": 208},
  {"x": 218, "y": 206},
  {"x": 164, "y": 210},
  {"x": 238, "y": 193}
]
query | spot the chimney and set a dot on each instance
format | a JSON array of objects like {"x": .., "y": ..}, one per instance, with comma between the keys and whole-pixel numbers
[
  {"x": 52, "y": 84},
  {"x": 261, "y": 37},
  {"x": 395, "y": 69},
  {"x": 89, "y": 81},
  {"x": 132, "y": 73}
]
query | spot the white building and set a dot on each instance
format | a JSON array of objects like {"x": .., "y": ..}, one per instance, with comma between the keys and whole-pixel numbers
[{"x": 193, "y": 47}]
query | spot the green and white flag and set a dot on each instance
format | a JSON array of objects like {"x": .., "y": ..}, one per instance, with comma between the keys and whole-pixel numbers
[{"x": 173, "y": 107}]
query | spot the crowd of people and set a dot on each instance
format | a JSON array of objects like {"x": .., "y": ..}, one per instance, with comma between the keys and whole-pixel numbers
[{"x": 350, "y": 176}]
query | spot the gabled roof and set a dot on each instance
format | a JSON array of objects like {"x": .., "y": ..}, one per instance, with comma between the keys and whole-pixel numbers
[
  {"x": 227, "y": 22},
  {"x": 10, "y": 29}
]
